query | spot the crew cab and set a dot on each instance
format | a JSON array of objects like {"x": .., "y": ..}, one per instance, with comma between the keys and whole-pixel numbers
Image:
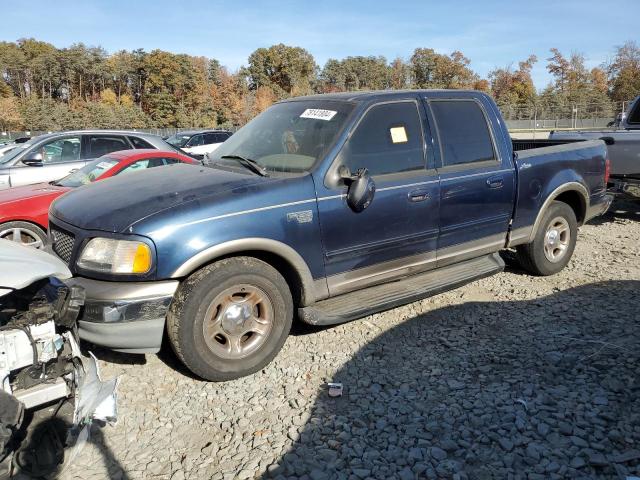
[
  {"x": 624, "y": 150},
  {"x": 322, "y": 209}
]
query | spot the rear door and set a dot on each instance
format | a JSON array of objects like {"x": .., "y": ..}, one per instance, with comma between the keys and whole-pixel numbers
[
  {"x": 101, "y": 144},
  {"x": 60, "y": 156},
  {"x": 397, "y": 234},
  {"x": 477, "y": 182}
]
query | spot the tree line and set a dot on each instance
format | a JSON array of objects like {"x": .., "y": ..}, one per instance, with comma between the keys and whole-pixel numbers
[{"x": 47, "y": 88}]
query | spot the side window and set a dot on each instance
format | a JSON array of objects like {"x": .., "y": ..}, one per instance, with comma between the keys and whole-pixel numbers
[
  {"x": 221, "y": 137},
  {"x": 464, "y": 132},
  {"x": 196, "y": 141},
  {"x": 387, "y": 140},
  {"x": 171, "y": 161},
  {"x": 61, "y": 150},
  {"x": 135, "y": 166},
  {"x": 140, "y": 143},
  {"x": 634, "y": 115},
  {"x": 210, "y": 138},
  {"x": 144, "y": 164},
  {"x": 102, "y": 145}
]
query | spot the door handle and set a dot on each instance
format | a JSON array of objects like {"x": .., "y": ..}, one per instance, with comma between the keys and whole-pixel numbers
[
  {"x": 495, "y": 182},
  {"x": 418, "y": 196}
]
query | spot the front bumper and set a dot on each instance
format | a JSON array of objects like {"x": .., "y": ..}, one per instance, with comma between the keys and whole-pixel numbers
[{"x": 125, "y": 316}]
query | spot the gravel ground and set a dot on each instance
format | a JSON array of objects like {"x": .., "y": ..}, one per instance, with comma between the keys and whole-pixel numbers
[{"x": 509, "y": 377}]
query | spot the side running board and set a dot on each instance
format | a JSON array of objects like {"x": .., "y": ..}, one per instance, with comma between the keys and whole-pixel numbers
[{"x": 360, "y": 303}]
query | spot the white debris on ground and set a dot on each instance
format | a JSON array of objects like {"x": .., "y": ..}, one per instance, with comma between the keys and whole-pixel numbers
[{"x": 512, "y": 376}]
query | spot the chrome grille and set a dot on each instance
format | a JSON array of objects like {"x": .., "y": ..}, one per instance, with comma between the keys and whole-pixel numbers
[{"x": 62, "y": 244}]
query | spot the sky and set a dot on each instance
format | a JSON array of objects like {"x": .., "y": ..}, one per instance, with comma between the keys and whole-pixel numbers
[{"x": 491, "y": 33}]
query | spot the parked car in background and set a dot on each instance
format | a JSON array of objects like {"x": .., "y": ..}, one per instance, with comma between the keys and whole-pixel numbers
[
  {"x": 52, "y": 156},
  {"x": 7, "y": 147},
  {"x": 199, "y": 142},
  {"x": 624, "y": 150},
  {"x": 324, "y": 208},
  {"x": 24, "y": 210}
]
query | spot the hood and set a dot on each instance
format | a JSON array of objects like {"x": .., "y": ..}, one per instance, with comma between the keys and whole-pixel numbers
[
  {"x": 16, "y": 194},
  {"x": 20, "y": 266},
  {"x": 113, "y": 204}
]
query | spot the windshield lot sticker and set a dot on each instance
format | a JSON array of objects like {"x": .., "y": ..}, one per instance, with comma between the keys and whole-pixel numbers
[
  {"x": 104, "y": 165},
  {"x": 318, "y": 114},
  {"x": 398, "y": 135}
]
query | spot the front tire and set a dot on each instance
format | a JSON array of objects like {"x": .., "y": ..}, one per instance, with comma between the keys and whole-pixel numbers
[
  {"x": 24, "y": 233},
  {"x": 554, "y": 243},
  {"x": 230, "y": 318}
]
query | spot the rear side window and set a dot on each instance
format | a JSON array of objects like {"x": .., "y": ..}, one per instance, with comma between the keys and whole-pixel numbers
[
  {"x": 210, "y": 138},
  {"x": 99, "y": 146},
  {"x": 387, "y": 140},
  {"x": 140, "y": 143},
  {"x": 463, "y": 132}
]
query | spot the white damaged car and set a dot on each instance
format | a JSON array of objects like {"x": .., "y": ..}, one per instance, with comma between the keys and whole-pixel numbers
[{"x": 49, "y": 392}]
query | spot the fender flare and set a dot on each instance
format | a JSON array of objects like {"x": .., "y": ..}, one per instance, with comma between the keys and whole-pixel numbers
[
  {"x": 567, "y": 187},
  {"x": 310, "y": 289}
]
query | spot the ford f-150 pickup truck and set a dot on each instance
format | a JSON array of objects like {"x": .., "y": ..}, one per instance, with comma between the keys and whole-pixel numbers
[
  {"x": 323, "y": 209},
  {"x": 624, "y": 150}
]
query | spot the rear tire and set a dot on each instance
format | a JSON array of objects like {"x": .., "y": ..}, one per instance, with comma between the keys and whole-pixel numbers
[
  {"x": 230, "y": 318},
  {"x": 554, "y": 243},
  {"x": 25, "y": 233}
]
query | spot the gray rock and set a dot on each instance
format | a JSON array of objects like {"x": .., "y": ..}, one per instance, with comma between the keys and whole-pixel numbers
[
  {"x": 579, "y": 442},
  {"x": 438, "y": 453},
  {"x": 506, "y": 444},
  {"x": 578, "y": 462}
]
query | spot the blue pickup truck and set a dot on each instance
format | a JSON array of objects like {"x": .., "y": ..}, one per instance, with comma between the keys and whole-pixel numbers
[{"x": 323, "y": 209}]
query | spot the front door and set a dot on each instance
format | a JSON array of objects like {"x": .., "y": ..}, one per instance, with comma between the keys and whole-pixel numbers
[
  {"x": 476, "y": 183},
  {"x": 397, "y": 234},
  {"x": 59, "y": 157}
]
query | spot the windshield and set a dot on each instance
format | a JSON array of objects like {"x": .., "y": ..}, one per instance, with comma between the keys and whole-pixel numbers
[
  {"x": 178, "y": 140},
  {"x": 287, "y": 137},
  {"x": 89, "y": 173}
]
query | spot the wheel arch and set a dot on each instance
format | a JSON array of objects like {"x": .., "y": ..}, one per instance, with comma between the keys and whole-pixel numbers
[
  {"x": 282, "y": 257},
  {"x": 573, "y": 194},
  {"x": 32, "y": 221}
]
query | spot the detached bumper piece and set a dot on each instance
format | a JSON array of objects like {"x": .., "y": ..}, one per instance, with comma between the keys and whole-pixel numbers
[{"x": 125, "y": 316}]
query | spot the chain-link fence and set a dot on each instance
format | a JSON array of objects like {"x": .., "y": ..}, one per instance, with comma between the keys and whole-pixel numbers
[
  {"x": 563, "y": 116},
  {"x": 517, "y": 117},
  {"x": 9, "y": 136}
]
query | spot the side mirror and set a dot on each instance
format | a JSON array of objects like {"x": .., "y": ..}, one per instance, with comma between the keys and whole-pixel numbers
[
  {"x": 33, "y": 160},
  {"x": 361, "y": 190}
]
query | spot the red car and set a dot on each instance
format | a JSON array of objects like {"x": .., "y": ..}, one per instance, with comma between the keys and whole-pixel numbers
[{"x": 24, "y": 211}]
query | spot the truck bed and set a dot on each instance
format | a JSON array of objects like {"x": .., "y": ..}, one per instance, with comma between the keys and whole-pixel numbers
[
  {"x": 529, "y": 144},
  {"x": 623, "y": 148}
]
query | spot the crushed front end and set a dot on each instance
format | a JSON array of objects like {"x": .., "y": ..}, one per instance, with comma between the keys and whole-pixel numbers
[{"x": 49, "y": 391}]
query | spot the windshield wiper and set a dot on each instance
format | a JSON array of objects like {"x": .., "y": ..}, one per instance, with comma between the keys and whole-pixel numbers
[{"x": 249, "y": 163}]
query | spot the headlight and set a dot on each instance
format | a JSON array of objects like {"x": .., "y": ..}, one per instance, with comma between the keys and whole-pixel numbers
[{"x": 107, "y": 255}]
